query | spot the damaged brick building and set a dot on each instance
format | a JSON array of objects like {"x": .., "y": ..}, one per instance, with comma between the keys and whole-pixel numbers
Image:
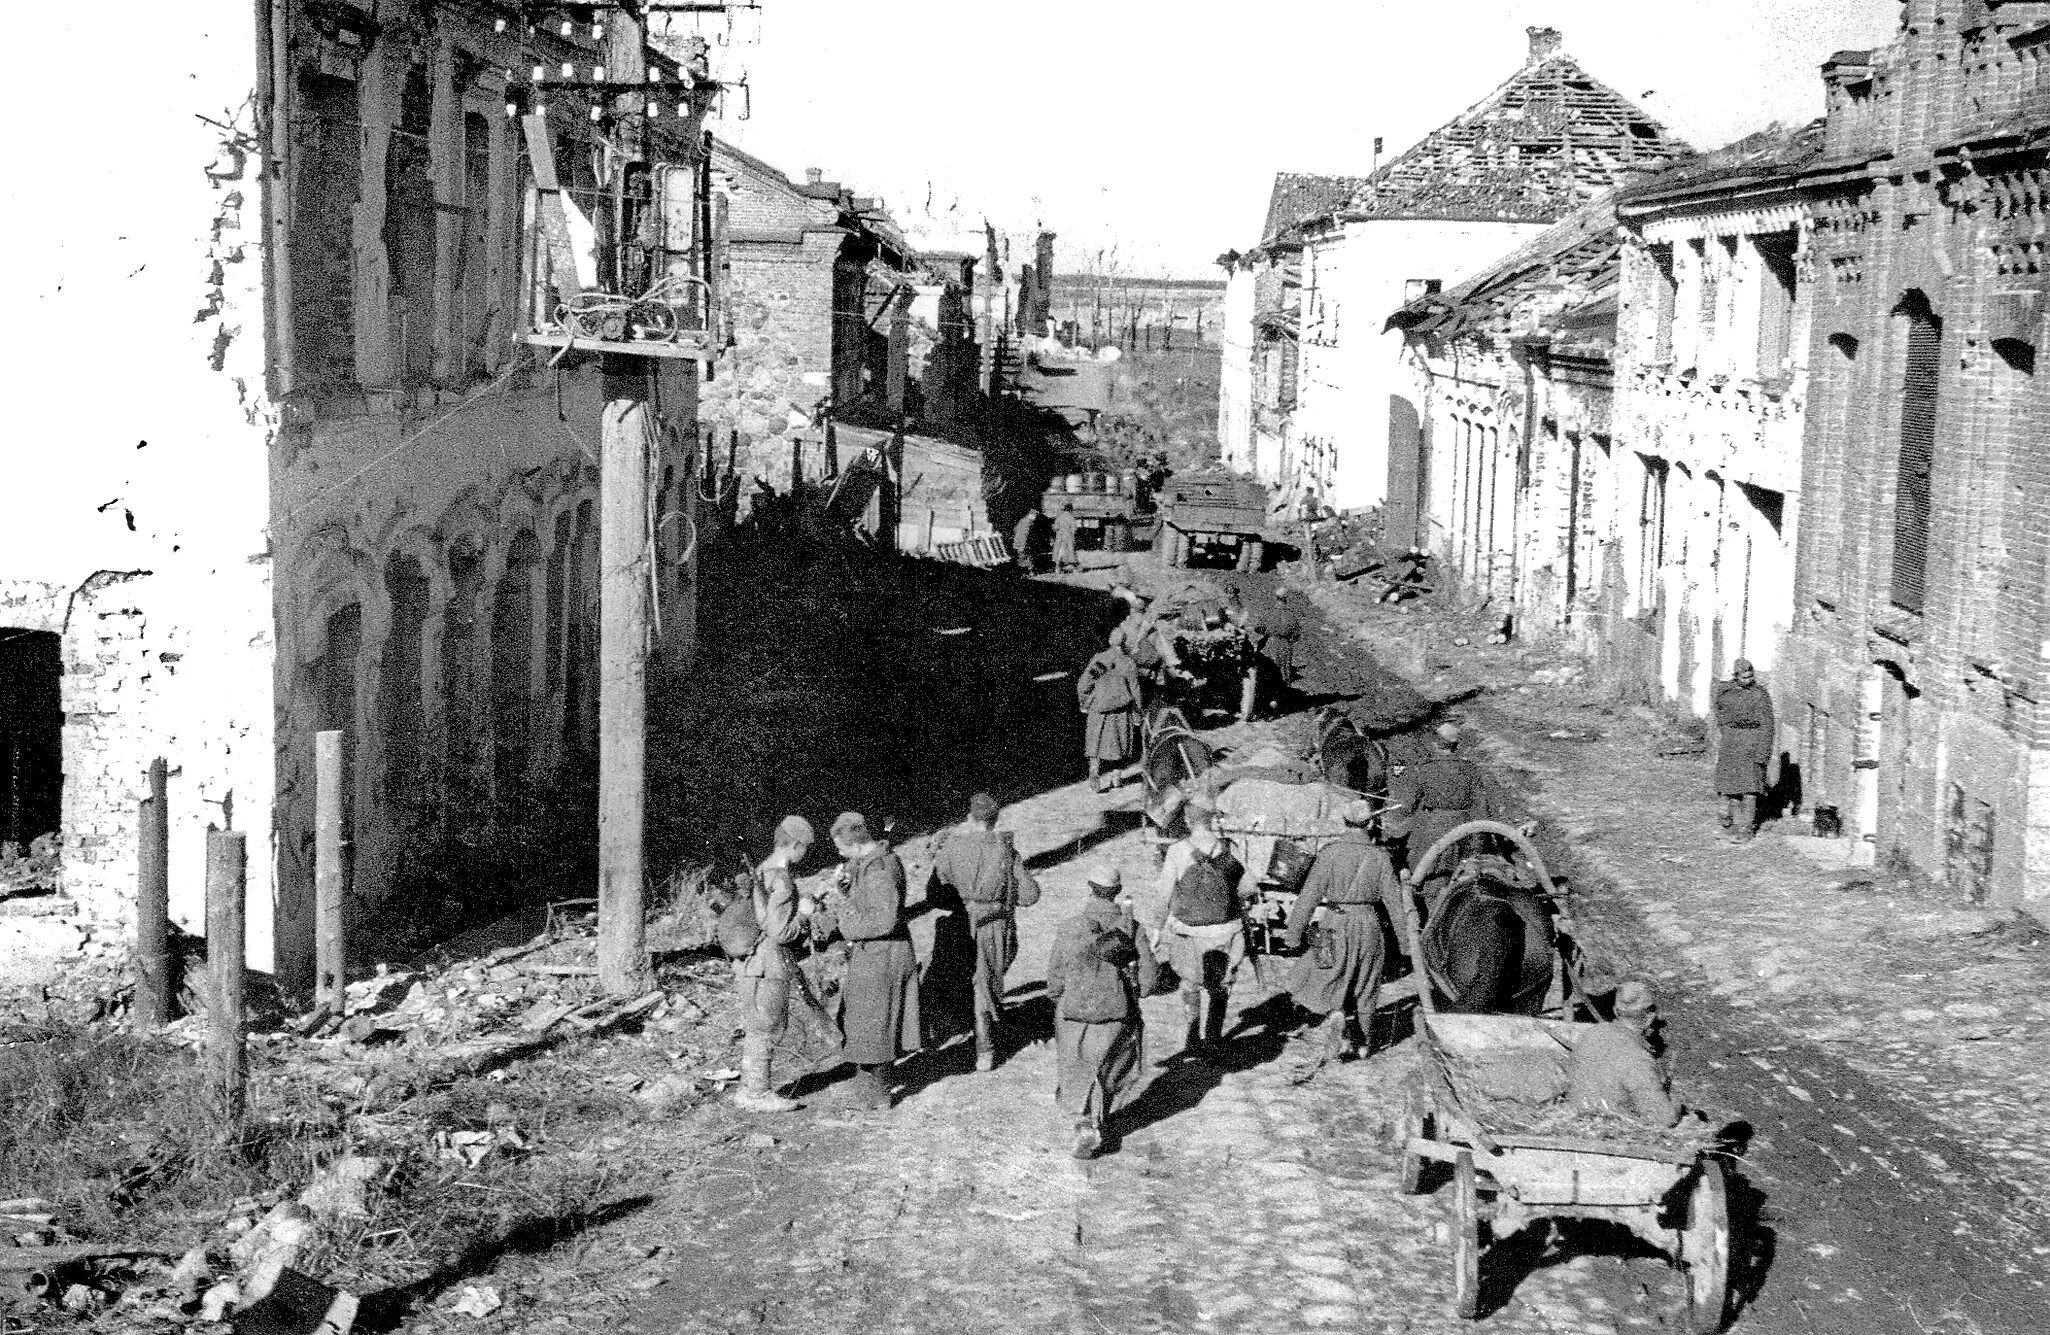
[
  {"x": 434, "y": 508},
  {"x": 1913, "y": 687}
]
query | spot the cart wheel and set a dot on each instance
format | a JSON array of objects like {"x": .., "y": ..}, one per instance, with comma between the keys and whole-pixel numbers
[
  {"x": 1705, "y": 1250},
  {"x": 1414, "y": 1124},
  {"x": 1466, "y": 1239}
]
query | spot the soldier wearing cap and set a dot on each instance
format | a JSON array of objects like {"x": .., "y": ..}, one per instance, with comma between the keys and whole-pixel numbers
[
  {"x": 1437, "y": 794},
  {"x": 1614, "y": 1069},
  {"x": 980, "y": 864},
  {"x": 879, "y": 1009},
  {"x": 1339, "y": 979},
  {"x": 770, "y": 970},
  {"x": 1100, "y": 966},
  {"x": 1746, "y": 732},
  {"x": 1202, "y": 931}
]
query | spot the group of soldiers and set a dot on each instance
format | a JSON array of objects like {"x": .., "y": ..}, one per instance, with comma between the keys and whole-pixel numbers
[
  {"x": 1104, "y": 960},
  {"x": 864, "y": 914},
  {"x": 1139, "y": 664}
]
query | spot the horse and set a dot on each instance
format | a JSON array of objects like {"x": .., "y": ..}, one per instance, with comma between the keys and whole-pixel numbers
[
  {"x": 1171, "y": 753},
  {"x": 1488, "y": 939},
  {"x": 1348, "y": 757}
]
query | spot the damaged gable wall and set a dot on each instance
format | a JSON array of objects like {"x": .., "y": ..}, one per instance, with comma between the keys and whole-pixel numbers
[{"x": 141, "y": 425}]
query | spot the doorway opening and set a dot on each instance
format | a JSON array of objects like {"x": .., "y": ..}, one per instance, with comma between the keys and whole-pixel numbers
[{"x": 31, "y": 736}]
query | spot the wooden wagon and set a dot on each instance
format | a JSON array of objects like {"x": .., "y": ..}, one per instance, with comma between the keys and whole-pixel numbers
[{"x": 1671, "y": 1195}]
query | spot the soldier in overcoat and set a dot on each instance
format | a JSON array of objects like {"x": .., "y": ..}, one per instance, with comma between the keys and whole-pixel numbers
[{"x": 1101, "y": 965}]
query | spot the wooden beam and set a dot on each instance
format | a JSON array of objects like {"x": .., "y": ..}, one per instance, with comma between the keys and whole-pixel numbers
[
  {"x": 330, "y": 945},
  {"x": 226, "y": 947},
  {"x": 153, "y": 904}
]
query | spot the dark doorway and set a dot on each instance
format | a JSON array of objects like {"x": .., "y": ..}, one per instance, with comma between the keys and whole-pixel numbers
[{"x": 31, "y": 735}]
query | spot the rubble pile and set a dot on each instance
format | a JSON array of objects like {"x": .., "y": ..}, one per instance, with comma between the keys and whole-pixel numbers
[{"x": 440, "y": 1110}]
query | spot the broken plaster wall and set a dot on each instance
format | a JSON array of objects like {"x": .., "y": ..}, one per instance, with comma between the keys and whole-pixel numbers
[
  {"x": 433, "y": 495},
  {"x": 142, "y": 440},
  {"x": 1354, "y": 277}
]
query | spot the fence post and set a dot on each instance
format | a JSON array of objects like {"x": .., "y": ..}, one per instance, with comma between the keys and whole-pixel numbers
[
  {"x": 330, "y": 944},
  {"x": 153, "y": 903},
  {"x": 226, "y": 945}
]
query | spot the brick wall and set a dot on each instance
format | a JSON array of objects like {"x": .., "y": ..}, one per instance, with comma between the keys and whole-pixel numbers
[{"x": 1956, "y": 751}]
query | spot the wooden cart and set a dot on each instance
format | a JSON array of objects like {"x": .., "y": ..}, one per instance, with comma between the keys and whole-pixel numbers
[{"x": 1673, "y": 1197}]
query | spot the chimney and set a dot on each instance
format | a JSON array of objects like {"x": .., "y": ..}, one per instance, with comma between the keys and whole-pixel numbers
[
  {"x": 813, "y": 175},
  {"x": 1544, "y": 44}
]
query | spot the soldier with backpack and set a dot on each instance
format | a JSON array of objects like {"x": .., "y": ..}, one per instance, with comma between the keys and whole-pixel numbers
[
  {"x": 1101, "y": 965},
  {"x": 980, "y": 864},
  {"x": 1203, "y": 932},
  {"x": 758, "y": 932}
]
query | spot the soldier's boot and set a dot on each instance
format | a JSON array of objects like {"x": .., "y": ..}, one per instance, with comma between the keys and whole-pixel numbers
[
  {"x": 1192, "y": 1033},
  {"x": 1729, "y": 812},
  {"x": 1095, "y": 774},
  {"x": 985, "y": 1041},
  {"x": 1213, "y": 1020},
  {"x": 868, "y": 1088},
  {"x": 754, "y": 1094},
  {"x": 1747, "y": 818}
]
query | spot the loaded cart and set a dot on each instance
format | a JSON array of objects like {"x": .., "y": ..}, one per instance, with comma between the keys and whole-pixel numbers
[{"x": 1489, "y": 1103}]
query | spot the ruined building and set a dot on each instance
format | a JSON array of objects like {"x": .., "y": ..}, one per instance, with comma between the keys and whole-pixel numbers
[
  {"x": 1548, "y": 139},
  {"x": 1260, "y": 342},
  {"x": 135, "y": 610},
  {"x": 434, "y": 508},
  {"x": 1611, "y": 422},
  {"x": 356, "y": 501}
]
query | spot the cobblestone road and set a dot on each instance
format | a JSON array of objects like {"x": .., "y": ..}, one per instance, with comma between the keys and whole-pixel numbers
[{"x": 1238, "y": 1201}]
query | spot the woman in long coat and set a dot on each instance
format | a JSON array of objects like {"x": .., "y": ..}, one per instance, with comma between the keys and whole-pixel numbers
[{"x": 1108, "y": 692}]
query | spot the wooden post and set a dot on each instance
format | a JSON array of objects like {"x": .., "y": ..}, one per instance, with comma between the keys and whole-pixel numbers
[
  {"x": 622, "y": 675},
  {"x": 226, "y": 945},
  {"x": 330, "y": 946},
  {"x": 153, "y": 904},
  {"x": 624, "y": 551}
]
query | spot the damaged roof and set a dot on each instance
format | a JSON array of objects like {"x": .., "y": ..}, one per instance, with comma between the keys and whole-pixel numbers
[
  {"x": 1547, "y": 140},
  {"x": 1565, "y": 277},
  {"x": 1301, "y": 195},
  {"x": 1774, "y": 155}
]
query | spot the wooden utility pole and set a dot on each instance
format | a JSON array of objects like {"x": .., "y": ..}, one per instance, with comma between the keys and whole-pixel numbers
[
  {"x": 330, "y": 946},
  {"x": 623, "y": 620},
  {"x": 153, "y": 903},
  {"x": 226, "y": 946}
]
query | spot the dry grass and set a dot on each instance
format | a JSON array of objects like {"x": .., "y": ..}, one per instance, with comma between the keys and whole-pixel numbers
[{"x": 122, "y": 1134}]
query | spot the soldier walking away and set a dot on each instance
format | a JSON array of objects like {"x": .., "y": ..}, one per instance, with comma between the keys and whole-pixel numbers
[
  {"x": 979, "y": 863},
  {"x": 879, "y": 1011},
  {"x": 1339, "y": 977},
  {"x": 1101, "y": 965},
  {"x": 1746, "y": 734},
  {"x": 1108, "y": 692},
  {"x": 1202, "y": 932},
  {"x": 1435, "y": 795},
  {"x": 1024, "y": 541},
  {"x": 1278, "y": 633},
  {"x": 767, "y": 974},
  {"x": 1064, "y": 526},
  {"x": 1614, "y": 1068}
]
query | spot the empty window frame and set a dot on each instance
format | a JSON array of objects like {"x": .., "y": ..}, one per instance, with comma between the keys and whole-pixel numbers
[{"x": 1919, "y": 385}]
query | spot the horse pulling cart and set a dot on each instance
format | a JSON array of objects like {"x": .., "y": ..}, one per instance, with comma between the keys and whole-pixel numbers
[{"x": 1489, "y": 1104}]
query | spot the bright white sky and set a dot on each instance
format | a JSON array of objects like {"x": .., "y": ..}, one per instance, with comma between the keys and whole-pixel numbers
[{"x": 1157, "y": 125}]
